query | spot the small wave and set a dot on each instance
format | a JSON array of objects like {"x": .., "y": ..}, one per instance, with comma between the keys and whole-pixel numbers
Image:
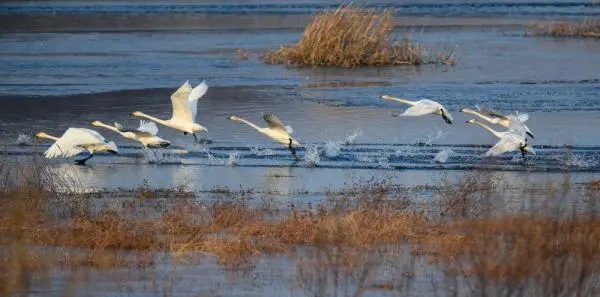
[
  {"x": 23, "y": 139},
  {"x": 443, "y": 155}
]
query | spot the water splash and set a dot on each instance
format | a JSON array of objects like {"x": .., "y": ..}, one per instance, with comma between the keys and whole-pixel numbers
[
  {"x": 383, "y": 162},
  {"x": 23, "y": 139},
  {"x": 573, "y": 160},
  {"x": 430, "y": 138},
  {"x": 443, "y": 155},
  {"x": 351, "y": 138},
  {"x": 332, "y": 149},
  {"x": 264, "y": 152},
  {"x": 159, "y": 156},
  {"x": 312, "y": 158},
  {"x": 233, "y": 159}
]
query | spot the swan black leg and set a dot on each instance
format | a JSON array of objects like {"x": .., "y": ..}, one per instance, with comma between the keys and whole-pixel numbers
[
  {"x": 195, "y": 137},
  {"x": 293, "y": 150},
  {"x": 523, "y": 155},
  {"x": 82, "y": 161}
]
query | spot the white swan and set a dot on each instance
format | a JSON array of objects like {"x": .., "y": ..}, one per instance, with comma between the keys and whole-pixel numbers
[
  {"x": 275, "y": 129},
  {"x": 145, "y": 133},
  {"x": 422, "y": 107},
  {"x": 508, "y": 141},
  {"x": 515, "y": 122},
  {"x": 75, "y": 141},
  {"x": 185, "y": 108}
]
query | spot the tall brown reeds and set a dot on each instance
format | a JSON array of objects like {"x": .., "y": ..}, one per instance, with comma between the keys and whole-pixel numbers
[
  {"x": 587, "y": 28},
  {"x": 352, "y": 36}
]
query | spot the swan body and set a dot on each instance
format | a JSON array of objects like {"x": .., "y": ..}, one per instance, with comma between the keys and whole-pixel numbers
[
  {"x": 75, "y": 141},
  {"x": 509, "y": 141},
  {"x": 275, "y": 129},
  {"x": 423, "y": 107},
  {"x": 145, "y": 133},
  {"x": 514, "y": 122},
  {"x": 185, "y": 107}
]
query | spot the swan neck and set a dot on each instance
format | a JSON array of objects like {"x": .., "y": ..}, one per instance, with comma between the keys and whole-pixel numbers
[
  {"x": 496, "y": 133},
  {"x": 250, "y": 124},
  {"x": 402, "y": 100},
  {"x": 162, "y": 122},
  {"x": 478, "y": 114},
  {"x": 48, "y": 137},
  {"x": 109, "y": 127}
]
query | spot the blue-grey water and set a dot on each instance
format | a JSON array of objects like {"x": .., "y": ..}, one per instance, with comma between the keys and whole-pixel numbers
[{"x": 66, "y": 63}]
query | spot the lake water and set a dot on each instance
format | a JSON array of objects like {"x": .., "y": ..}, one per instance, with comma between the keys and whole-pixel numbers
[{"x": 66, "y": 63}]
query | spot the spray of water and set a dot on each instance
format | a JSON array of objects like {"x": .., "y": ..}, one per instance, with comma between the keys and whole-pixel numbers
[
  {"x": 233, "y": 159},
  {"x": 264, "y": 152},
  {"x": 312, "y": 158},
  {"x": 443, "y": 155},
  {"x": 332, "y": 149},
  {"x": 351, "y": 138},
  {"x": 160, "y": 156},
  {"x": 23, "y": 139}
]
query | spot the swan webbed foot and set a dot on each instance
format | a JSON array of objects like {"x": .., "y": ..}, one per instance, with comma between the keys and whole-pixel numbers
[
  {"x": 530, "y": 135},
  {"x": 82, "y": 161}
]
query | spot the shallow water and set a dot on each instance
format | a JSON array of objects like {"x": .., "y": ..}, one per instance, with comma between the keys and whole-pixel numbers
[{"x": 66, "y": 63}]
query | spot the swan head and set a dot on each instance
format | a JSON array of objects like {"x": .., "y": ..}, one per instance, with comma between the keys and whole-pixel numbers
[
  {"x": 40, "y": 135},
  {"x": 95, "y": 123},
  {"x": 386, "y": 97},
  {"x": 198, "y": 128},
  {"x": 234, "y": 118},
  {"x": 136, "y": 114},
  {"x": 471, "y": 121},
  {"x": 465, "y": 110}
]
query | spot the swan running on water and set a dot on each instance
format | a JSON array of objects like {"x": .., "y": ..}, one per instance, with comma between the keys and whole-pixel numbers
[
  {"x": 275, "y": 129},
  {"x": 145, "y": 133},
  {"x": 185, "y": 108},
  {"x": 509, "y": 141},
  {"x": 422, "y": 107},
  {"x": 511, "y": 121},
  {"x": 75, "y": 141}
]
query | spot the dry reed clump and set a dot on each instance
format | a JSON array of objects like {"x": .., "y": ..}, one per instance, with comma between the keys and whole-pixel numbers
[
  {"x": 351, "y": 36},
  {"x": 587, "y": 28}
]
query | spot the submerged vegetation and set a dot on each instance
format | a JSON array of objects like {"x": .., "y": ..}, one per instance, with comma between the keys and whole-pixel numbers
[
  {"x": 586, "y": 28},
  {"x": 352, "y": 36},
  {"x": 364, "y": 238}
]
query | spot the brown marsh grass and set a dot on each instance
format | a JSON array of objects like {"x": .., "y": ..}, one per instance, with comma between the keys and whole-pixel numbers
[
  {"x": 353, "y": 36},
  {"x": 339, "y": 246},
  {"x": 587, "y": 28}
]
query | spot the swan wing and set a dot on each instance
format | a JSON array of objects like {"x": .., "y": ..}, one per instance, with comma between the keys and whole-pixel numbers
[
  {"x": 148, "y": 127},
  {"x": 196, "y": 94},
  {"x": 274, "y": 122},
  {"x": 72, "y": 141},
  {"x": 517, "y": 128},
  {"x": 179, "y": 100},
  {"x": 419, "y": 109},
  {"x": 521, "y": 117},
  {"x": 502, "y": 146},
  {"x": 490, "y": 112}
]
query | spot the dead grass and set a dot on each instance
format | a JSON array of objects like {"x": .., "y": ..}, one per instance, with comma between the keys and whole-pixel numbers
[
  {"x": 587, "y": 28},
  {"x": 343, "y": 241},
  {"x": 352, "y": 36}
]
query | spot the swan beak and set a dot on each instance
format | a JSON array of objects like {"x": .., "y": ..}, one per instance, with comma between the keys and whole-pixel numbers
[{"x": 384, "y": 97}]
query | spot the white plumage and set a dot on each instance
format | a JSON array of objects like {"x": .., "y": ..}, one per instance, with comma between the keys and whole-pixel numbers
[
  {"x": 185, "y": 108},
  {"x": 75, "y": 141},
  {"x": 422, "y": 107},
  {"x": 145, "y": 133},
  {"x": 509, "y": 141},
  {"x": 514, "y": 122}
]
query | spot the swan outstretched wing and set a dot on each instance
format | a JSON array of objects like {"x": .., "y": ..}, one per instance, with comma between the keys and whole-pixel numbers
[
  {"x": 70, "y": 143},
  {"x": 179, "y": 100},
  {"x": 148, "y": 127},
  {"x": 274, "y": 122},
  {"x": 490, "y": 112},
  {"x": 517, "y": 116},
  {"x": 419, "y": 109},
  {"x": 518, "y": 128},
  {"x": 502, "y": 146},
  {"x": 196, "y": 94}
]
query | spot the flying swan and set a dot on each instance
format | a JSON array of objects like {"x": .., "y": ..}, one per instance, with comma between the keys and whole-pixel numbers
[
  {"x": 422, "y": 107},
  {"x": 509, "y": 141},
  {"x": 145, "y": 133},
  {"x": 185, "y": 108},
  {"x": 511, "y": 121},
  {"x": 75, "y": 141},
  {"x": 275, "y": 129}
]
